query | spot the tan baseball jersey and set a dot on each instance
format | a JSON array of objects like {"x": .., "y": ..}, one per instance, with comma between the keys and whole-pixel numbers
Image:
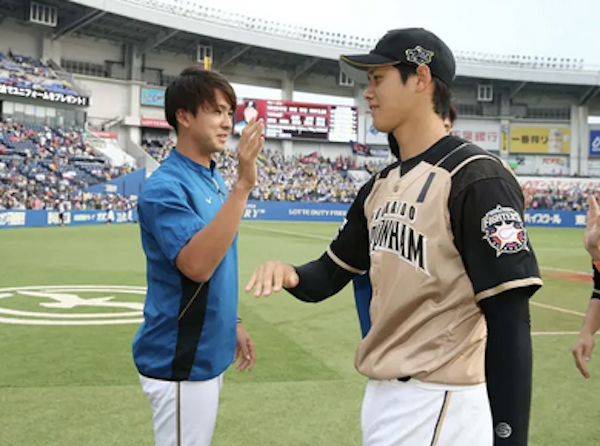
[{"x": 437, "y": 234}]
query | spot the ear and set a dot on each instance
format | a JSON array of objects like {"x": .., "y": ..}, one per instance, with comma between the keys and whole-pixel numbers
[
  {"x": 183, "y": 118},
  {"x": 424, "y": 78}
]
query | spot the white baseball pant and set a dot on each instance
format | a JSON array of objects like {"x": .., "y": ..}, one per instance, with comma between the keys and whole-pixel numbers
[
  {"x": 185, "y": 413},
  {"x": 414, "y": 413}
]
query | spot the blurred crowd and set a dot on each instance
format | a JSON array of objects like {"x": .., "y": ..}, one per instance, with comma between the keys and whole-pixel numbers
[
  {"x": 565, "y": 197},
  {"x": 41, "y": 165},
  {"x": 297, "y": 178},
  {"x": 159, "y": 148},
  {"x": 307, "y": 178},
  {"x": 317, "y": 179},
  {"x": 73, "y": 201},
  {"x": 31, "y": 74}
]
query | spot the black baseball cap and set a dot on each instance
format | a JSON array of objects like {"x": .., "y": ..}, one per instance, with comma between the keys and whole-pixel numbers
[{"x": 410, "y": 46}]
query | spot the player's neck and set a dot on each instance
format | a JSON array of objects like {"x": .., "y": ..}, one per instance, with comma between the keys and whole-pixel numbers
[
  {"x": 190, "y": 149},
  {"x": 415, "y": 136}
]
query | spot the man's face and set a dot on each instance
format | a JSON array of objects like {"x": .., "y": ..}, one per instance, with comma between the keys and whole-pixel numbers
[
  {"x": 389, "y": 99},
  {"x": 212, "y": 125}
]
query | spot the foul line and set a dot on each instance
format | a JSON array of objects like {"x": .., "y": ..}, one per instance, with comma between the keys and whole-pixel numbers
[
  {"x": 559, "y": 309},
  {"x": 554, "y": 333},
  {"x": 281, "y": 231},
  {"x": 568, "y": 271}
]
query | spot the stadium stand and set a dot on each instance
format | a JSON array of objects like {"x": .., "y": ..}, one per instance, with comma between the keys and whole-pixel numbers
[
  {"x": 314, "y": 178},
  {"x": 50, "y": 163},
  {"x": 572, "y": 198},
  {"x": 39, "y": 165},
  {"x": 158, "y": 147},
  {"x": 31, "y": 74},
  {"x": 310, "y": 178}
]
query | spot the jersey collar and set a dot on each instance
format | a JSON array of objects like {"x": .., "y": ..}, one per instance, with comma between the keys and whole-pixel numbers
[
  {"x": 431, "y": 156},
  {"x": 178, "y": 157}
]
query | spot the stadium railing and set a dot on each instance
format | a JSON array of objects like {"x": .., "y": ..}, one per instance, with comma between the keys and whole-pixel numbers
[{"x": 191, "y": 9}]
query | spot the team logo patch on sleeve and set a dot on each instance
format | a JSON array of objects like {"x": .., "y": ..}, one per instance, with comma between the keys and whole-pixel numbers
[{"x": 504, "y": 230}]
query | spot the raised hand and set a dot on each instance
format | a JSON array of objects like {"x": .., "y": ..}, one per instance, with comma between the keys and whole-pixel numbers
[{"x": 251, "y": 141}]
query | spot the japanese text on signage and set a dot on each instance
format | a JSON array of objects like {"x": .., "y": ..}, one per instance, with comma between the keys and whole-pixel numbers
[{"x": 43, "y": 95}]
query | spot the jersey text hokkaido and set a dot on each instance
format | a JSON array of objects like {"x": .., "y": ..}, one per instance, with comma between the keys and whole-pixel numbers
[
  {"x": 437, "y": 234},
  {"x": 189, "y": 328}
]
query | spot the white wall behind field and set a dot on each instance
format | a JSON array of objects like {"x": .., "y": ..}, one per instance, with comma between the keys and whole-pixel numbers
[
  {"x": 170, "y": 64},
  {"x": 152, "y": 112},
  {"x": 109, "y": 98},
  {"x": 20, "y": 38},
  {"x": 544, "y": 99},
  {"x": 90, "y": 50}
]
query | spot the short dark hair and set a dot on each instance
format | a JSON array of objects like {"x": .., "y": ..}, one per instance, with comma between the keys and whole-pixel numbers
[
  {"x": 195, "y": 87},
  {"x": 452, "y": 113},
  {"x": 442, "y": 96}
]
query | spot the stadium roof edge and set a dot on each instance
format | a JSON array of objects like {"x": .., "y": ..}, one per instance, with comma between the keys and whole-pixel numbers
[
  {"x": 247, "y": 37},
  {"x": 590, "y": 78},
  {"x": 165, "y": 19}
]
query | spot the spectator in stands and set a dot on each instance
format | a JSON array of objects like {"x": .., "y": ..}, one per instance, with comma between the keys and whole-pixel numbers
[{"x": 62, "y": 208}]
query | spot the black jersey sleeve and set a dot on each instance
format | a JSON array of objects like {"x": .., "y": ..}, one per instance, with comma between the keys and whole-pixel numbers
[
  {"x": 350, "y": 248},
  {"x": 487, "y": 218},
  {"x": 596, "y": 275},
  {"x": 509, "y": 364},
  {"x": 320, "y": 279}
]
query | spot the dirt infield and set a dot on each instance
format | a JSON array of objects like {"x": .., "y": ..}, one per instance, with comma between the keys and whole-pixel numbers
[{"x": 572, "y": 276}]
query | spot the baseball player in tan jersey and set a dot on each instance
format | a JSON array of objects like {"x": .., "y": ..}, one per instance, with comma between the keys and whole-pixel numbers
[{"x": 442, "y": 237}]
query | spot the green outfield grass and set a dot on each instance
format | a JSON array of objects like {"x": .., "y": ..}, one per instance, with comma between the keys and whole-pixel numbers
[{"x": 75, "y": 385}]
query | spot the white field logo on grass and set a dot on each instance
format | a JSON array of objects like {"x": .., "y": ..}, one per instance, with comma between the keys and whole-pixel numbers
[{"x": 65, "y": 298}]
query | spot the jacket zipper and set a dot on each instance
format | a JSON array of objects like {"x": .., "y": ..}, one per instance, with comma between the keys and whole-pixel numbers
[{"x": 219, "y": 193}]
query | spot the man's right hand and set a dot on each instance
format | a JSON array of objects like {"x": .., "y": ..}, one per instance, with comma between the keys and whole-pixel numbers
[
  {"x": 251, "y": 142},
  {"x": 272, "y": 277}
]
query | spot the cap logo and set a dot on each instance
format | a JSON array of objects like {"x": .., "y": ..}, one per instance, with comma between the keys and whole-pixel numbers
[{"x": 419, "y": 55}]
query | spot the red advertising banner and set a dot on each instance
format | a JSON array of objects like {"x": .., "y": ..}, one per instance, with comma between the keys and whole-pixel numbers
[
  {"x": 155, "y": 123},
  {"x": 105, "y": 135}
]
